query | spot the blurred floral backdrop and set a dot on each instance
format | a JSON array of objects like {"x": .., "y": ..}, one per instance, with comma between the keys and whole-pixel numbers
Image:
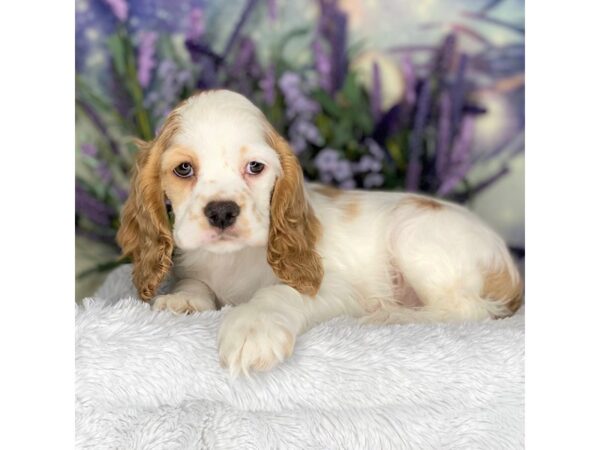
[{"x": 417, "y": 95}]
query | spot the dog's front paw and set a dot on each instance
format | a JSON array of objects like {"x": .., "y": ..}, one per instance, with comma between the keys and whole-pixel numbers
[
  {"x": 182, "y": 303},
  {"x": 250, "y": 339}
]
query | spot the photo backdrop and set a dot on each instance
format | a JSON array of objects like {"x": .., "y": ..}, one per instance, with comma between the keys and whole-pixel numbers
[{"x": 417, "y": 95}]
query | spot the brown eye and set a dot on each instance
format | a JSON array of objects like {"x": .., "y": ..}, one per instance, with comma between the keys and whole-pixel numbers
[
  {"x": 184, "y": 170},
  {"x": 254, "y": 167}
]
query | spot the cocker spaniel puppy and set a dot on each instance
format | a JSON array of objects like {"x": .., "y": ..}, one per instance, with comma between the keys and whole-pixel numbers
[{"x": 248, "y": 231}]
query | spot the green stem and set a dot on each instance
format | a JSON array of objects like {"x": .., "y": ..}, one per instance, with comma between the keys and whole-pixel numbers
[
  {"x": 102, "y": 267},
  {"x": 135, "y": 89}
]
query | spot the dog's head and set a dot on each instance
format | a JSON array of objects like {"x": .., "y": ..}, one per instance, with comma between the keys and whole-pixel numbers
[{"x": 233, "y": 183}]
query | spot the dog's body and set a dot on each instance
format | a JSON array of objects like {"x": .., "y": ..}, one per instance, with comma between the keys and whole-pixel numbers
[{"x": 289, "y": 254}]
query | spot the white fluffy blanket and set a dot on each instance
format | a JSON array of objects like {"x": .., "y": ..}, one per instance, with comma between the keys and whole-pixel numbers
[{"x": 148, "y": 380}]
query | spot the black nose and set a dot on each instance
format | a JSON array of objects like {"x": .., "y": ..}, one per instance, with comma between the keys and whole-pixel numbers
[{"x": 222, "y": 214}]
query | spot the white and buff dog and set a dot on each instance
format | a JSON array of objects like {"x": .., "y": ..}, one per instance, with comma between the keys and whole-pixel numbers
[{"x": 249, "y": 232}]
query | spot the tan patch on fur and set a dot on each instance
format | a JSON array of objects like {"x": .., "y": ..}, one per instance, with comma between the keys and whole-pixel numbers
[
  {"x": 499, "y": 285},
  {"x": 351, "y": 209},
  {"x": 145, "y": 233},
  {"x": 175, "y": 187},
  {"x": 294, "y": 229},
  {"x": 328, "y": 191},
  {"x": 426, "y": 203},
  {"x": 173, "y": 156}
]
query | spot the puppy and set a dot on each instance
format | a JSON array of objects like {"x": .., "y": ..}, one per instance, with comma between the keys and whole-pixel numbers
[{"x": 249, "y": 232}]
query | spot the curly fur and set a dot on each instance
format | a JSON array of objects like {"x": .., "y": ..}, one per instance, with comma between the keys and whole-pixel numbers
[
  {"x": 294, "y": 229},
  {"x": 145, "y": 232}
]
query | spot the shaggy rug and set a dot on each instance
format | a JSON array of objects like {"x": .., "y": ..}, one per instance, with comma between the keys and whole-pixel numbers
[{"x": 152, "y": 380}]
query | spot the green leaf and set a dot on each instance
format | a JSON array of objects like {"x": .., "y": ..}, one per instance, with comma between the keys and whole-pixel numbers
[
  {"x": 103, "y": 267},
  {"x": 117, "y": 50},
  {"x": 328, "y": 105},
  {"x": 279, "y": 48},
  {"x": 395, "y": 150}
]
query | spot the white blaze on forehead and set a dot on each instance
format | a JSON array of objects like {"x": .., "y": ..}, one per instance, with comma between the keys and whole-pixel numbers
[
  {"x": 224, "y": 129},
  {"x": 220, "y": 119}
]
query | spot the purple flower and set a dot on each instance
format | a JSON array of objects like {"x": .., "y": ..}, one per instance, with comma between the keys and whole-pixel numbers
[
  {"x": 332, "y": 166},
  {"x": 332, "y": 30},
  {"x": 327, "y": 159},
  {"x": 289, "y": 82},
  {"x": 245, "y": 66},
  {"x": 166, "y": 68},
  {"x": 297, "y": 102},
  {"x": 183, "y": 77},
  {"x": 444, "y": 135},
  {"x": 460, "y": 157},
  {"x": 119, "y": 8},
  {"x": 322, "y": 65},
  {"x": 272, "y": 7},
  {"x": 375, "y": 149},
  {"x": 196, "y": 27},
  {"x": 89, "y": 150},
  {"x": 298, "y": 144},
  {"x": 376, "y": 92},
  {"x": 447, "y": 52},
  {"x": 368, "y": 164},
  {"x": 308, "y": 131},
  {"x": 458, "y": 92},
  {"x": 348, "y": 184},
  {"x": 246, "y": 52},
  {"x": 121, "y": 194},
  {"x": 342, "y": 170},
  {"x": 103, "y": 172},
  {"x": 325, "y": 177},
  {"x": 462, "y": 145},
  {"x": 410, "y": 81},
  {"x": 373, "y": 180},
  {"x": 267, "y": 84},
  {"x": 92, "y": 208},
  {"x": 145, "y": 59},
  {"x": 172, "y": 80},
  {"x": 300, "y": 110}
]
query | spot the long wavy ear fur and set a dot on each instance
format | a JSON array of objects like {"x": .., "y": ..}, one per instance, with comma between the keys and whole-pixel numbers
[
  {"x": 294, "y": 228},
  {"x": 145, "y": 232}
]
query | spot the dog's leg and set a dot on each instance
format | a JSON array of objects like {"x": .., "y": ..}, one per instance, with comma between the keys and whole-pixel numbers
[
  {"x": 458, "y": 267},
  {"x": 188, "y": 296},
  {"x": 261, "y": 333}
]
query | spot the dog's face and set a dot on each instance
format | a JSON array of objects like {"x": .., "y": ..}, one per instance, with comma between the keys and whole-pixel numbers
[
  {"x": 219, "y": 172},
  {"x": 232, "y": 181}
]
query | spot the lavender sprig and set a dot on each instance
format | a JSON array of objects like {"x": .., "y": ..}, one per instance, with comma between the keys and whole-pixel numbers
[
  {"x": 458, "y": 92},
  {"x": 460, "y": 161},
  {"x": 332, "y": 29},
  {"x": 146, "y": 62},
  {"x": 196, "y": 25},
  {"x": 268, "y": 85},
  {"x": 92, "y": 208},
  {"x": 375, "y": 98},
  {"x": 119, "y": 8},
  {"x": 272, "y": 9},
  {"x": 443, "y": 135},
  {"x": 410, "y": 81}
]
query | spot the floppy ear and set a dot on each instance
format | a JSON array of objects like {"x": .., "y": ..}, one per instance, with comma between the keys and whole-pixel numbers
[
  {"x": 294, "y": 229},
  {"x": 145, "y": 232}
]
